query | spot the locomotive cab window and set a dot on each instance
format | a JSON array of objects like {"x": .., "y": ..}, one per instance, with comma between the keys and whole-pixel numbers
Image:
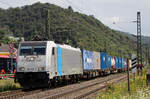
[
  {"x": 26, "y": 50},
  {"x": 32, "y": 50},
  {"x": 39, "y": 50}
]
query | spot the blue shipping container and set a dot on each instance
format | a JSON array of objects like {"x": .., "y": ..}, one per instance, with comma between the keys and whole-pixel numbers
[
  {"x": 108, "y": 61},
  {"x": 120, "y": 63},
  {"x": 117, "y": 62},
  {"x": 87, "y": 57},
  {"x": 103, "y": 61}
]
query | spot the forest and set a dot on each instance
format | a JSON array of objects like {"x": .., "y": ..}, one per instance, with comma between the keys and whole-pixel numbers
[{"x": 51, "y": 22}]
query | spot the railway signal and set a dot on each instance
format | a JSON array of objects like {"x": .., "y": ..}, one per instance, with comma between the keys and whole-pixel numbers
[
  {"x": 134, "y": 63},
  {"x": 128, "y": 75}
]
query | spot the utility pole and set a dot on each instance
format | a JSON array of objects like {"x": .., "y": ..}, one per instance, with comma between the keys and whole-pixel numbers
[
  {"x": 128, "y": 75},
  {"x": 146, "y": 53},
  {"x": 105, "y": 46},
  {"x": 47, "y": 28},
  {"x": 119, "y": 52},
  {"x": 139, "y": 48},
  {"x": 62, "y": 35},
  {"x": 148, "y": 56},
  {"x": 110, "y": 50}
]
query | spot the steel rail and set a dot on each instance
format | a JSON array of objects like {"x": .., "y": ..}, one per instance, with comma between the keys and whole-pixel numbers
[{"x": 54, "y": 96}]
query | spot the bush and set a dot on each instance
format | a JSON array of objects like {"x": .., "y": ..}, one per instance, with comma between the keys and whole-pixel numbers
[
  {"x": 120, "y": 91},
  {"x": 6, "y": 85}
]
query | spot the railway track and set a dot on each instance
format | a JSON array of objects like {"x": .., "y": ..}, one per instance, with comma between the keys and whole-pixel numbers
[
  {"x": 86, "y": 94},
  {"x": 84, "y": 91},
  {"x": 16, "y": 93},
  {"x": 69, "y": 91}
]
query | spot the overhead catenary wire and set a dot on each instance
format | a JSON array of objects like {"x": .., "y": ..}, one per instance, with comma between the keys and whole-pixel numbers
[
  {"x": 69, "y": 2},
  {"x": 121, "y": 28}
]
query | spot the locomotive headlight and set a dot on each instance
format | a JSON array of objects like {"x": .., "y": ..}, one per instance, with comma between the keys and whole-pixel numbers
[
  {"x": 21, "y": 68},
  {"x": 31, "y": 58},
  {"x": 41, "y": 68}
]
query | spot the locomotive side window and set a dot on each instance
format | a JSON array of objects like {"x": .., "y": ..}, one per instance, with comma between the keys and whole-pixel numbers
[
  {"x": 26, "y": 50},
  {"x": 53, "y": 51}
]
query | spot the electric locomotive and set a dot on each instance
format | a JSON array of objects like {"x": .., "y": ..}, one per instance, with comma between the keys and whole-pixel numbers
[{"x": 42, "y": 63}]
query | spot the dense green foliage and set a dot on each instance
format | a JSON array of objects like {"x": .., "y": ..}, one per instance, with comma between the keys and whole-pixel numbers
[
  {"x": 120, "y": 90},
  {"x": 3, "y": 37},
  {"x": 86, "y": 31}
]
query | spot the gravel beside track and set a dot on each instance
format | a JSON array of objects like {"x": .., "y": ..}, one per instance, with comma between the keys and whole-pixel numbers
[
  {"x": 78, "y": 93},
  {"x": 9, "y": 92},
  {"x": 69, "y": 91},
  {"x": 17, "y": 93},
  {"x": 87, "y": 94}
]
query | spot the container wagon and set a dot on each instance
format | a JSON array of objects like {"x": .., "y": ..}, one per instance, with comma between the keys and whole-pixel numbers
[
  {"x": 104, "y": 63},
  {"x": 113, "y": 66}
]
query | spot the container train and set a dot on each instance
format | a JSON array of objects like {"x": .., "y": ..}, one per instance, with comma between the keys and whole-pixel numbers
[{"x": 45, "y": 63}]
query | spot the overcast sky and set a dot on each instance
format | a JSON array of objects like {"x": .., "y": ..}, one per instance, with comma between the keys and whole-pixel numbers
[{"x": 120, "y": 12}]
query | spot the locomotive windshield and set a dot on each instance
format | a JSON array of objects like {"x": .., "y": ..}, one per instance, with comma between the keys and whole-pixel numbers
[
  {"x": 26, "y": 50},
  {"x": 33, "y": 50},
  {"x": 39, "y": 50}
]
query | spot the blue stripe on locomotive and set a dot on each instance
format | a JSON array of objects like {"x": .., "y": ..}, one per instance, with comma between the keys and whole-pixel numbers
[
  {"x": 87, "y": 57},
  {"x": 117, "y": 62},
  {"x": 108, "y": 61},
  {"x": 59, "y": 60},
  {"x": 103, "y": 61}
]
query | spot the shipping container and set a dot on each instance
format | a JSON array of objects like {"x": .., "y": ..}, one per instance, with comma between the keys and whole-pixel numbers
[
  {"x": 87, "y": 57},
  {"x": 113, "y": 66},
  {"x": 120, "y": 62},
  {"x": 96, "y": 60},
  {"x": 108, "y": 61},
  {"x": 117, "y": 62},
  {"x": 103, "y": 61}
]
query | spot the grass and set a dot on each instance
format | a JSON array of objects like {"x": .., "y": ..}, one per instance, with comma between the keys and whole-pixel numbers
[
  {"x": 8, "y": 84},
  {"x": 138, "y": 87}
]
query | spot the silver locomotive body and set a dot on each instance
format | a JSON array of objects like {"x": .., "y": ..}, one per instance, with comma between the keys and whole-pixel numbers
[
  {"x": 41, "y": 63},
  {"x": 31, "y": 63}
]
